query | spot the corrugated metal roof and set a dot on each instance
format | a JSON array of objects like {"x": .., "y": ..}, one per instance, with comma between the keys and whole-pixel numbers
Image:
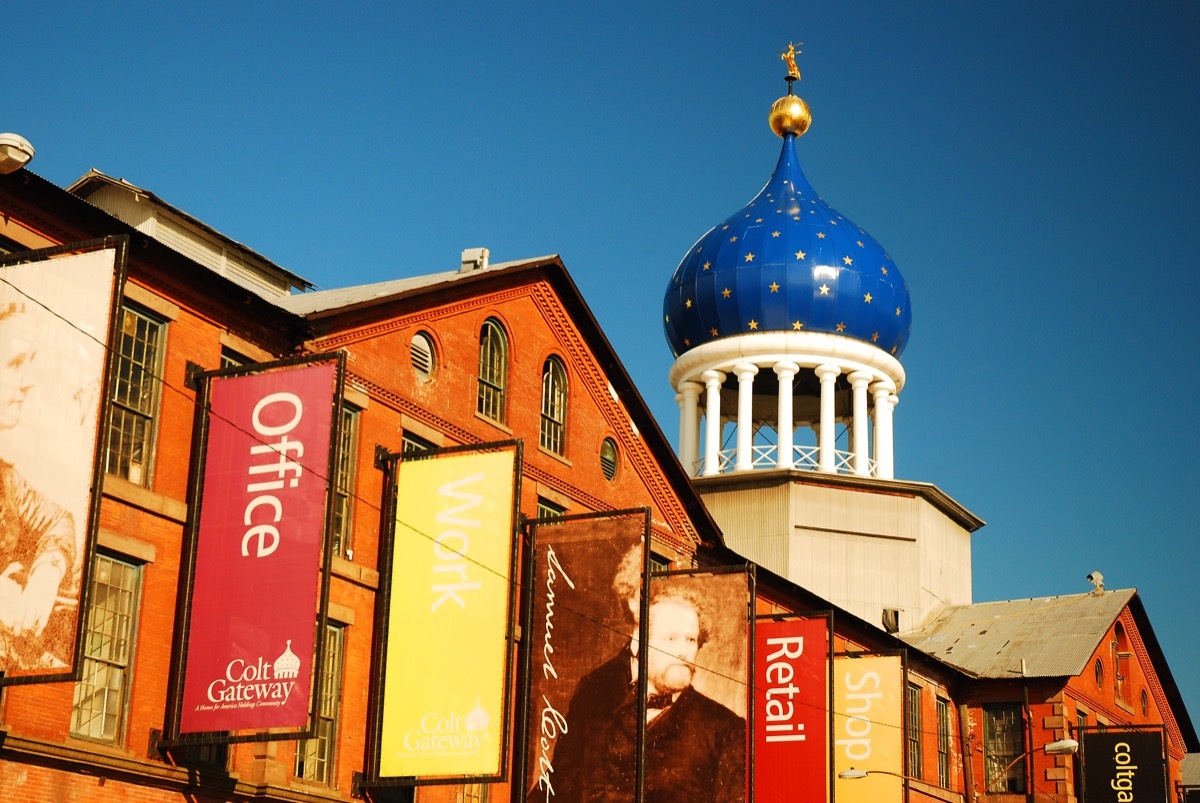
[
  {"x": 324, "y": 300},
  {"x": 1191, "y": 769},
  {"x": 1055, "y": 636}
]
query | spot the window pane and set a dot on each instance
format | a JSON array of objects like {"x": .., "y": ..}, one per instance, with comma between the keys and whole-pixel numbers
[
  {"x": 943, "y": 714},
  {"x": 99, "y": 704},
  {"x": 1003, "y": 749},
  {"x": 493, "y": 371},
  {"x": 343, "y": 480},
  {"x": 315, "y": 757},
  {"x": 135, "y": 396},
  {"x": 913, "y": 702},
  {"x": 554, "y": 406}
]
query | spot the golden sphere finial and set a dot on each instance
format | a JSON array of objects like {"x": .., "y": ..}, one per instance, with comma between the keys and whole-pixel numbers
[{"x": 790, "y": 114}]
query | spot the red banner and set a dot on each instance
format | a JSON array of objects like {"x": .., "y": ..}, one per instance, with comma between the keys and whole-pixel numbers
[
  {"x": 791, "y": 711},
  {"x": 258, "y": 551}
]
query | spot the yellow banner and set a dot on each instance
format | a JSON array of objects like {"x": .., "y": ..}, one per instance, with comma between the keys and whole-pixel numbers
[
  {"x": 443, "y": 701},
  {"x": 868, "y": 734}
]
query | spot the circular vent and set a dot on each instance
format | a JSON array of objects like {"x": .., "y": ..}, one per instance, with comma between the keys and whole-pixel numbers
[
  {"x": 423, "y": 358},
  {"x": 608, "y": 458}
]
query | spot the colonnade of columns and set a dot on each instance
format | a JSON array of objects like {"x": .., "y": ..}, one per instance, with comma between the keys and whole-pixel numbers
[{"x": 874, "y": 399}]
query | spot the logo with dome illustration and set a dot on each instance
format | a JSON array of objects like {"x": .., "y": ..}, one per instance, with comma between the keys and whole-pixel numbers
[
  {"x": 451, "y": 732},
  {"x": 287, "y": 665},
  {"x": 477, "y": 720}
]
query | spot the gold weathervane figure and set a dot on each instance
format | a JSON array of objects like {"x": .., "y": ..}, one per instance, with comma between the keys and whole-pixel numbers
[{"x": 789, "y": 57}]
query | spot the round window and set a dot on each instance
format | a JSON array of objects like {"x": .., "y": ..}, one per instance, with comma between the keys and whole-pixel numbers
[{"x": 608, "y": 458}]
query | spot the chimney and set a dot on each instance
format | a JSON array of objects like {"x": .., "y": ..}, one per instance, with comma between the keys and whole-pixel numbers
[{"x": 474, "y": 259}]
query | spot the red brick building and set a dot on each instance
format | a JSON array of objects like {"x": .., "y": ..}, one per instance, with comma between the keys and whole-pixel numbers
[{"x": 478, "y": 353}]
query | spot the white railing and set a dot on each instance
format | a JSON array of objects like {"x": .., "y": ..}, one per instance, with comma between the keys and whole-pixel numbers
[{"x": 804, "y": 458}]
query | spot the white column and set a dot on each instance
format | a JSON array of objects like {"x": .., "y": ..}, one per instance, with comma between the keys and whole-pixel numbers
[
  {"x": 745, "y": 415},
  {"x": 885, "y": 400},
  {"x": 784, "y": 428},
  {"x": 826, "y": 460},
  {"x": 689, "y": 430},
  {"x": 862, "y": 425},
  {"x": 712, "y": 422}
]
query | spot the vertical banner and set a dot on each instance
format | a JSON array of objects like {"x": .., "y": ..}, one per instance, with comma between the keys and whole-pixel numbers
[
  {"x": 251, "y": 629},
  {"x": 691, "y": 652},
  {"x": 868, "y": 732},
  {"x": 697, "y": 682},
  {"x": 587, "y": 590},
  {"x": 56, "y": 311},
  {"x": 445, "y": 687},
  {"x": 791, "y": 719},
  {"x": 1120, "y": 766}
]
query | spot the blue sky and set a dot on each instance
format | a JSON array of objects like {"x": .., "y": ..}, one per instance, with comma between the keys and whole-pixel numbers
[{"x": 1031, "y": 168}]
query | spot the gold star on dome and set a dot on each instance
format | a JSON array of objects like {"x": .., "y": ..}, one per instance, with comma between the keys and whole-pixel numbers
[
  {"x": 714, "y": 332},
  {"x": 753, "y": 324},
  {"x": 725, "y": 227},
  {"x": 897, "y": 312},
  {"x": 848, "y": 261},
  {"x": 774, "y": 234},
  {"x": 687, "y": 342},
  {"x": 867, "y": 298},
  {"x": 884, "y": 270},
  {"x": 824, "y": 289},
  {"x": 875, "y": 337},
  {"x": 797, "y": 325},
  {"x": 859, "y": 243},
  {"x": 733, "y": 239},
  {"x": 725, "y": 293},
  {"x": 833, "y": 223},
  {"x": 799, "y": 255},
  {"x": 758, "y": 220},
  {"x": 820, "y": 235},
  {"x": 749, "y": 257},
  {"x": 894, "y": 349},
  {"x": 707, "y": 265},
  {"x": 688, "y": 303},
  {"x": 774, "y": 287},
  {"x": 841, "y": 327}
]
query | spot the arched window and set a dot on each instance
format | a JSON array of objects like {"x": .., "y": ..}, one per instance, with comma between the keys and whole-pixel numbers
[
  {"x": 554, "y": 405},
  {"x": 1122, "y": 663},
  {"x": 493, "y": 371},
  {"x": 1099, "y": 670}
]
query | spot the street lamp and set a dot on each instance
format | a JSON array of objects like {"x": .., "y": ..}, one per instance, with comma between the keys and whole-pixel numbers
[
  {"x": 15, "y": 152},
  {"x": 1062, "y": 747},
  {"x": 853, "y": 774}
]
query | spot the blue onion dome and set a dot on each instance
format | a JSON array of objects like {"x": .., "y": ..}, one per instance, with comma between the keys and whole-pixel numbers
[{"x": 787, "y": 262}]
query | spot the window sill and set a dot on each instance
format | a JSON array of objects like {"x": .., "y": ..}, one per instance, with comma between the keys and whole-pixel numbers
[
  {"x": 493, "y": 422},
  {"x": 560, "y": 458},
  {"x": 359, "y": 575},
  {"x": 143, "y": 498}
]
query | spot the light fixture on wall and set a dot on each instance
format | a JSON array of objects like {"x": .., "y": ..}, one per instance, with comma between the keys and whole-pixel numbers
[
  {"x": 15, "y": 152},
  {"x": 1062, "y": 747}
]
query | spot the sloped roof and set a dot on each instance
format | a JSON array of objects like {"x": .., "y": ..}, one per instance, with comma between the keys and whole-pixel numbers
[
  {"x": 1054, "y": 636},
  {"x": 343, "y": 298},
  {"x": 90, "y": 182}
]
